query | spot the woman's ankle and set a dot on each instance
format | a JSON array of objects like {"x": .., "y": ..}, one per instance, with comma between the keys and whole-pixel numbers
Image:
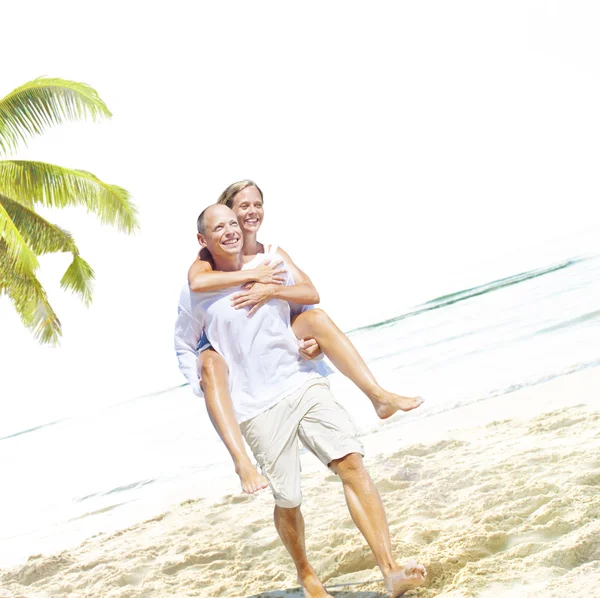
[
  {"x": 375, "y": 393},
  {"x": 242, "y": 462}
]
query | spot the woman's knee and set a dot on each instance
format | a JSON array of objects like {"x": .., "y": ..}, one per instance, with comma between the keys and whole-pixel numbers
[
  {"x": 211, "y": 364},
  {"x": 314, "y": 319}
]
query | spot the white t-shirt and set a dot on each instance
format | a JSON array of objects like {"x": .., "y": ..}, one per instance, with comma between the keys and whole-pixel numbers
[{"x": 261, "y": 351}]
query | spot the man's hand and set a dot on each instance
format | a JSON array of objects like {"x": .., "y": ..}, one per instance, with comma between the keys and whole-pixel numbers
[
  {"x": 253, "y": 296},
  {"x": 309, "y": 348},
  {"x": 270, "y": 273}
]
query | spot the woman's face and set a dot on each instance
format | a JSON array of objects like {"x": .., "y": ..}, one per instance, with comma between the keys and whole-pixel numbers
[{"x": 248, "y": 207}]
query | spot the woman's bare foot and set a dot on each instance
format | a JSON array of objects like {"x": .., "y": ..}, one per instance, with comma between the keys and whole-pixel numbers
[
  {"x": 387, "y": 403},
  {"x": 312, "y": 586},
  {"x": 410, "y": 577},
  {"x": 250, "y": 479}
]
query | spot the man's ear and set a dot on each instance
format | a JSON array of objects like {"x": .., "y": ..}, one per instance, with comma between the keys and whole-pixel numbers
[{"x": 201, "y": 240}]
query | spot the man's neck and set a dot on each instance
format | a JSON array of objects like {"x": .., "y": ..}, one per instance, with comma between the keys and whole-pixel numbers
[{"x": 229, "y": 263}]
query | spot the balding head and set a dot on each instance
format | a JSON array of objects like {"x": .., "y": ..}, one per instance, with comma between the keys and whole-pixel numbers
[
  {"x": 219, "y": 232},
  {"x": 206, "y": 214}
]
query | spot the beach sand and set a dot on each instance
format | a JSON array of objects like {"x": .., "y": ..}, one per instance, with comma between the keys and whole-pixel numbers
[{"x": 501, "y": 498}]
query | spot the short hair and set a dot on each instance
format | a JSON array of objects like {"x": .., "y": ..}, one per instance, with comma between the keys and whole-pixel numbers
[
  {"x": 228, "y": 195},
  {"x": 201, "y": 223}
]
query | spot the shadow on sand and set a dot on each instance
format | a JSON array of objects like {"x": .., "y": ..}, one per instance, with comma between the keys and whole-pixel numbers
[
  {"x": 335, "y": 590},
  {"x": 297, "y": 593}
]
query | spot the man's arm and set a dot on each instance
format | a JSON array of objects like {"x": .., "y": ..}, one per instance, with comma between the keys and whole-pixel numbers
[
  {"x": 203, "y": 279},
  {"x": 187, "y": 336}
]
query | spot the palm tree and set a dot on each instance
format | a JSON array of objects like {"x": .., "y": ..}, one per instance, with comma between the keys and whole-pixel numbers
[{"x": 28, "y": 111}]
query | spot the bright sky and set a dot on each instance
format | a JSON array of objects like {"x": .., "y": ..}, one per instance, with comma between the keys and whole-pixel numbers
[{"x": 405, "y": 150}]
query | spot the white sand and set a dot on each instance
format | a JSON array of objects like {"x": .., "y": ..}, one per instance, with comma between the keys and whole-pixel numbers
[{"x": 493, "y": 504}]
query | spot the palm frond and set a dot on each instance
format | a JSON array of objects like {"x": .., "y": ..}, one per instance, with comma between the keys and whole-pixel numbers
[
  {"x": 16, "y": 251},
  {"x": 39, "y": 234},
  {"x": 30, "y": 300},
  {"x": 79, "y": 278},
  {"x": 32, "y": 183},
  {"x": 44, "y": 237},
  {"x": 42, "y": 103}
]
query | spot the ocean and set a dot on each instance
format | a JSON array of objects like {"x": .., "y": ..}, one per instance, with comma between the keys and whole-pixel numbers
[{"x": 68, "y": 480}]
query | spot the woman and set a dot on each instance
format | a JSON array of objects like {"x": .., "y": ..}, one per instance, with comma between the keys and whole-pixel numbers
[{"x": 314, "y": 329}]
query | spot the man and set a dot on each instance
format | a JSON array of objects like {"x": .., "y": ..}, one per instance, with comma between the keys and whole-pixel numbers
[{"x": 280, "y": 399}]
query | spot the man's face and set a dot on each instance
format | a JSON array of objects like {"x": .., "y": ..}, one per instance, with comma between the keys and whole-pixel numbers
[
  {"x": 222, "y": 235},
  {"x": 248, "y": 207}
]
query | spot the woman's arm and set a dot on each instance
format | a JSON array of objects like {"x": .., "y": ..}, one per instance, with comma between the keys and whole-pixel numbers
[
  {"x": 303, "y": 292},
  {"x": 203, "y": 279}
]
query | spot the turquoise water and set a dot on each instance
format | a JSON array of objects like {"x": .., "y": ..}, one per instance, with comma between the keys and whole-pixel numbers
[{"x": 70, "y": 479}]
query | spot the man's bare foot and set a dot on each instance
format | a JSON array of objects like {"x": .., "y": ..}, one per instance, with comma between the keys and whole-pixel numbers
[
  {"x": 387, "y": 403},
  {"x": 312, "y": 586},
  {"x": 410, "y": 577},
  {"x": 250, "y": 479}
]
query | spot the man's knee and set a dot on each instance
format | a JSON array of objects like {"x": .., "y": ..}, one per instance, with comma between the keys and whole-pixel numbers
[
  {"x": 289, "y": 500},
  {"x": 286, "y": 513},
  {"x": 212, "y": 365},
  {"x": 349, "y": 467}
]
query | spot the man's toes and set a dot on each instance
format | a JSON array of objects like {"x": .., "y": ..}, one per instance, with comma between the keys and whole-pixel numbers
[
  {"x": 414, "y": 569},
  {"x": 410, "y": 566}
]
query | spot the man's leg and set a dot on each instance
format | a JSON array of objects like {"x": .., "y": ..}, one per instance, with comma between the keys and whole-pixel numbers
[
  {"x": 220, "y": 410},
  {"x": 368, "y": 514},
  {"x": 273, "y": 437},
  {"x": 328, "y": 432},
  {"x": 315, "y": 323},
  {"x": 290, "y": 527}
]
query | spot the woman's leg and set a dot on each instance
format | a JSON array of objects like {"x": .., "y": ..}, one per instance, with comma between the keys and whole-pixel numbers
[
  {"x": 213, "y": 370},
  {"x": 315, "y": 323}
]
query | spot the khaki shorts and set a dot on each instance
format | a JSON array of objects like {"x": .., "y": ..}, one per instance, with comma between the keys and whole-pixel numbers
[{"x": 310, "y": 415}]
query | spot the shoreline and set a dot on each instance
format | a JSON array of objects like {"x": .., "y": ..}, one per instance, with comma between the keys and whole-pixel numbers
[{"x": 497, "y": 498}]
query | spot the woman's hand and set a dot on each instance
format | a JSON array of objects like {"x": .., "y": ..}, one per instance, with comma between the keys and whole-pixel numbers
[
  {"x": 309, "y": 348},
  {"x": 269, "y": 273},
  {"x": 253, "y": 296}
]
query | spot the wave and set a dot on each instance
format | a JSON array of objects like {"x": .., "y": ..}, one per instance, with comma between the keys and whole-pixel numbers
[
  {"x": 132, "y": 486},
  {"x": 150, "y": 395},
  {"x": 35, "y": 428},
  {"x": 583, "y": 319},
  {"x": 445, "y": 300},
  {"x": 112, "y": 406},
  {"x": 99, "y": 511}
]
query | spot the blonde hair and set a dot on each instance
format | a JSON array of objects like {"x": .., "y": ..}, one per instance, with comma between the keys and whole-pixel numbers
[{"x": 227, "y": 196}]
